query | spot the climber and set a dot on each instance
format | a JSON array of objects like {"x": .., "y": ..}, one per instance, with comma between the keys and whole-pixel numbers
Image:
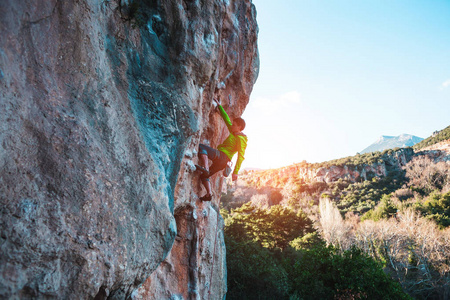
[{"x": 235, "y": 142}]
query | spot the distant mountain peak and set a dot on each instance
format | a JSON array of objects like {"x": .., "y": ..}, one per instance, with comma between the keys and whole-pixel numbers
[
  {"x": 389, "y": 142},
  {"x": 384, "y": 138}
]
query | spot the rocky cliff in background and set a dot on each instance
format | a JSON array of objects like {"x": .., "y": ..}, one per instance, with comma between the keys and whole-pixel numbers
[
  {"x": 350, "y": 169},
  {"x": 334, "y": 170},
  {"x": 103, "y": 106}
]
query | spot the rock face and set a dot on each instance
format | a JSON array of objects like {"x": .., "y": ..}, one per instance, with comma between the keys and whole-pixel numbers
[
  {"x": 443, "y": 147},
  {"x": 396, "y": 161},
  {"x": 103, "y": 106},
  {"x": 351, "y": 173}
]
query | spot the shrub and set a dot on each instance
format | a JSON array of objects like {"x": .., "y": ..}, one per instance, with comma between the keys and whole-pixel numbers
[
  {"x": 308, "y": 241},
  {"x": 366, "y": 195},
  {"x": 437, "y": 208},
  {"x": 253, "y": 272},
  {"x": 384, "y": 210},
  {"x": 275, "y": 197},
  {"x": 322, "y": 273},
  {"x": 272, "y": 228},
  {"x": 404, "y": 194},
  {"x": 427, "y": 176}
]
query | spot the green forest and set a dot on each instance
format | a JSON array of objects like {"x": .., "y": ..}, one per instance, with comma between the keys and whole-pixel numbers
[
  {"x": 385, "y": 237},
  {"x": 276, "y": 254}
]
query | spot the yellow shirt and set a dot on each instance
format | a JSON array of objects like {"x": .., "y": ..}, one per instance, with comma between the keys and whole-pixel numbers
[{"x": 233, "y": 143}]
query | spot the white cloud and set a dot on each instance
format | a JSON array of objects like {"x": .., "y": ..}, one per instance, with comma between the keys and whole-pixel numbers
[
  {"x": 271, "y": 105},
  {"x": 446, "y": 83}
]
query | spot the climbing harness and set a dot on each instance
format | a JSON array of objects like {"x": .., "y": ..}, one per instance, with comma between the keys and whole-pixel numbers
[{"x": 214, "y": 256}]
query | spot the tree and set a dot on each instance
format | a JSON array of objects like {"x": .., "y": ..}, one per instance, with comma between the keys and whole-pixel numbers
[
  {"x": 272, "y": 228},
  {"x": 323, "y": 273},
  {"x": 334, "y": 229},
  {"x": 384, "y": 210},
  {"x": 271, "y": 255},
  {"x": 426, "y": 175},
  {"x": 253, "y": 272},
  {"x": 413, "y": 249},
  {"x": 437, "y": 208}
]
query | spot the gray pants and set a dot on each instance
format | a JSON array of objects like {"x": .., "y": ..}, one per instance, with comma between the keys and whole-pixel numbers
[{"x": 218, "y": 158}]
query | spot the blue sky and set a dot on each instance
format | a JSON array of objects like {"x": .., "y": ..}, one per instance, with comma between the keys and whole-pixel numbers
[{"x": 336, "y": 75}]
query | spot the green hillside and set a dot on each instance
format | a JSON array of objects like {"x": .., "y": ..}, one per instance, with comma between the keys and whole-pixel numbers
[
  {"x": 291, "y": 238},
  {"x": 360, "y": 160},
  {"x": 442, "y": 135},
  {"x": 292, "y": 235}
]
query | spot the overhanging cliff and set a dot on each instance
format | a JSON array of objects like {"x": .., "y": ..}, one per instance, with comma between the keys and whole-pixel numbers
[{"x": 103, "y": 106}]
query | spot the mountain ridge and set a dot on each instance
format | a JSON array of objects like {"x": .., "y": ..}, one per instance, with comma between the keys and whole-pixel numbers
[
  {"x": 437, "y": 137},
  {"x": 385, "y": 142}
]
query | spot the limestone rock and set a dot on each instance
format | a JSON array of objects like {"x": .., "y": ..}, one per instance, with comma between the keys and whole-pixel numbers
[
  {"x": 103, "y": 106},
  {"x": 395, "y": 161}
]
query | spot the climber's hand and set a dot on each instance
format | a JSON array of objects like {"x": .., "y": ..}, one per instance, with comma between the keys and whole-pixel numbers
[
  {"x": 216, "y": 102},
  {"x": 234, "y": 177}
]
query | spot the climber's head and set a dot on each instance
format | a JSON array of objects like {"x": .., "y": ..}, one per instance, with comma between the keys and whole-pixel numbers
[{"x": 238, "y": 125}]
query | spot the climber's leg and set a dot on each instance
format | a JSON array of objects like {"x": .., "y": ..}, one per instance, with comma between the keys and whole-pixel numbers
[
  {"x": 203, "y": 161},
  {"x": 217, "y": 165},
  {"x": 207, "y": 186},
  {"x": 205, "y": 153},
  {"x": 203, "y": 164}
]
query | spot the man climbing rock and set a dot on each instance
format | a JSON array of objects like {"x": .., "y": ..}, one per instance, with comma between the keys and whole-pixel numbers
[{"x": 235, "y": 142}]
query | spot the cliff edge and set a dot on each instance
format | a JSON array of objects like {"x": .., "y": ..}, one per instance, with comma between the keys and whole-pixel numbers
[{"x": 103, "y": 106}]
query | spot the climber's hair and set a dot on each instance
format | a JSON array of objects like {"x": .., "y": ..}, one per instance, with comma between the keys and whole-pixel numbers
[{"x": 240, "y": 122}]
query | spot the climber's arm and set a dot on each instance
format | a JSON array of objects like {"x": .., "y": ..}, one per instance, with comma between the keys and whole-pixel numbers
[
  {"x": 241, "y": 153},
  {"x": 225, "y": 116}
]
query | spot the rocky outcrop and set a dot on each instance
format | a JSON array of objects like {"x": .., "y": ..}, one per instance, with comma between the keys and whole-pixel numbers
[
  {"x": 349, "y": 173},
  {"x": 103, "y": 106},
  {"x": 395, "y": 161},
  {"x": 310, "y": 173},
  {"x": 438, "y": 152}
]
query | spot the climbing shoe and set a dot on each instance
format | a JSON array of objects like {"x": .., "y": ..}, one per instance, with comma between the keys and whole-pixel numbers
[
  {"x": 206, "y": 198},
  {"x": 201, "y": 169}
]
